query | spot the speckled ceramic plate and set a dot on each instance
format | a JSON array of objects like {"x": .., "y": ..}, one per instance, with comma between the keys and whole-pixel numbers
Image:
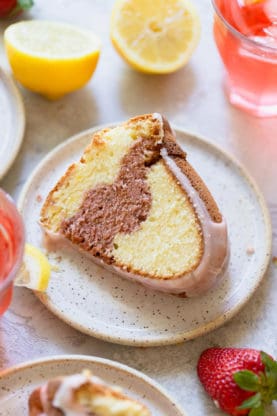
[
  {"x": 106, "y": 306},
  {"x": 12, "y": 122},
  {"x": 17, "y": 383}
]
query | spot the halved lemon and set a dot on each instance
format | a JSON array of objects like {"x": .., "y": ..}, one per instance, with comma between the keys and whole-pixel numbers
[
  {"x": 35, "y": 270},
  {"x": 51, "y": 58},
  {"x": 155, "y": 36}
]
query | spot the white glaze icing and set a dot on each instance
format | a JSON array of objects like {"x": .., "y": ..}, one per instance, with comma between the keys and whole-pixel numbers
[
  {"x": 158, "y": 117},
  {"x": 64, "y": 399},
  {"x": 214, "y": 235},
  {"x": 43, "y": 397}
]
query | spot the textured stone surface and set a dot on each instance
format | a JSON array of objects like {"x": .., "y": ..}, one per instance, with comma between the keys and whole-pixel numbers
[{"x": 192, "y": 98}]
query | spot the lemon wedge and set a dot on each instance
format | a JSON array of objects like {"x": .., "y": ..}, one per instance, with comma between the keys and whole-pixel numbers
[
  {"x": 156, "y": 36},
  {"x": 35, "y": 270},
  {"x": 250, "y": 2},
  {"x": 51, "y": 58}
]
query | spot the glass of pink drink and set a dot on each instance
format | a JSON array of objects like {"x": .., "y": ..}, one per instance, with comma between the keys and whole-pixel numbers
[
  {"x": 245, "y": 33},
  {"x": 11, "y": 247}
]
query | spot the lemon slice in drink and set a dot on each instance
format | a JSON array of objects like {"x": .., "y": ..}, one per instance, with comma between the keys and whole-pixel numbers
[
  {"x": 250, "y": 2},
  {"x": 35, "y": 270},
  {"x": 155, "y": 36},
  {"x": 51, "y": 58}
]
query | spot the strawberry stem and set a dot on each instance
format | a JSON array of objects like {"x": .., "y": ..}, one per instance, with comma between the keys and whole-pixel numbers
[
  {"x": 264, "y": 385},
  {"x": 247, "y": 380},
  {"x": 252, "y": 402}
]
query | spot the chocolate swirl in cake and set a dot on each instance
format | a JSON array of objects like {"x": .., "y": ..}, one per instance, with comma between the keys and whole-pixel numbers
[{"x": 117, "y": 208}]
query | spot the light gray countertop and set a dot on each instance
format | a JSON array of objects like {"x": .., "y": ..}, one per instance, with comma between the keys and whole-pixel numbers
[{"x": 192, "y": 98}]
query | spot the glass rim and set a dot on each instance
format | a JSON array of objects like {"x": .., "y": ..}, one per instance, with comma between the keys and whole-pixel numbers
[
  {"x": 240, "y": 35},
  {"x": 4, "y": 284}
]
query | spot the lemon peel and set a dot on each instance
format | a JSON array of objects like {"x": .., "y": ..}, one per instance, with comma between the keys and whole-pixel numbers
[
  {"x": 35, "y": 270},
  {"x": 250, "y": 2}
]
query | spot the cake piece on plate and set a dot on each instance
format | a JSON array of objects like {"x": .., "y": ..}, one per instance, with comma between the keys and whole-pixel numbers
[
  {"x": 82, "y": 395},
  {"x": 135, "y": 205}
]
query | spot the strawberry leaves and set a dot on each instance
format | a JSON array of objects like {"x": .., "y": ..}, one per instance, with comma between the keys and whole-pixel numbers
[
  {"x": 25, "y": 4},
  {"x": 247, "y": 380},
  {"x": 263, "y": 384},
  {"x": 254, "y": 402}
]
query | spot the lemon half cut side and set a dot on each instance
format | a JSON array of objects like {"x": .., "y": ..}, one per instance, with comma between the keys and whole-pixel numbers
[
  {"x": 156, "y": 36},
  {"x": 51, "y": 58}
]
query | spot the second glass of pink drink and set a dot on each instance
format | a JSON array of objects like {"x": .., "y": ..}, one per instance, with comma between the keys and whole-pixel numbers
[
  {"x": 11, "y": 248},
  {"x": 245, "y": 33}
]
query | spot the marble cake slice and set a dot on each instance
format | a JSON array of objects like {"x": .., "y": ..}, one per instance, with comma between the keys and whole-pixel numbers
[
  {"x": 135, "y": 205},
  {"x": 84, "y": 395}
]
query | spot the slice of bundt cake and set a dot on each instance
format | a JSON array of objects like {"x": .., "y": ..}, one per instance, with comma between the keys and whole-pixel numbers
[
  {"x": 135, "y": 204},
  {"x": 82, "y": 395}
]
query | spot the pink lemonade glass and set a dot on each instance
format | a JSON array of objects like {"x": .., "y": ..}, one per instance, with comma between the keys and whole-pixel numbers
[
  {"x": 245, "y": 33},
  {"x": 11, "y": 247}
]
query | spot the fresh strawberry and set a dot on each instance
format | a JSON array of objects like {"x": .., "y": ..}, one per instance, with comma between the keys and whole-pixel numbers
[
  {"x": 13, "y": 7},
  {"x": 241, "y": 381}
]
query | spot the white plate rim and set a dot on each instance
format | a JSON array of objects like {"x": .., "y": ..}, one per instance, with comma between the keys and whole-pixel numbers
[
  {"x": 21, "y": 120},
  {"x": 95, "y": 360},
  {"x": 189, "y": 335}
]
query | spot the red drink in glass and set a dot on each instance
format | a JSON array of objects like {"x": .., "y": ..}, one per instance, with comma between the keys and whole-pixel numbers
[
  {"x": 11, "y": 247},
  {"x": 245, "y": 33}
]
